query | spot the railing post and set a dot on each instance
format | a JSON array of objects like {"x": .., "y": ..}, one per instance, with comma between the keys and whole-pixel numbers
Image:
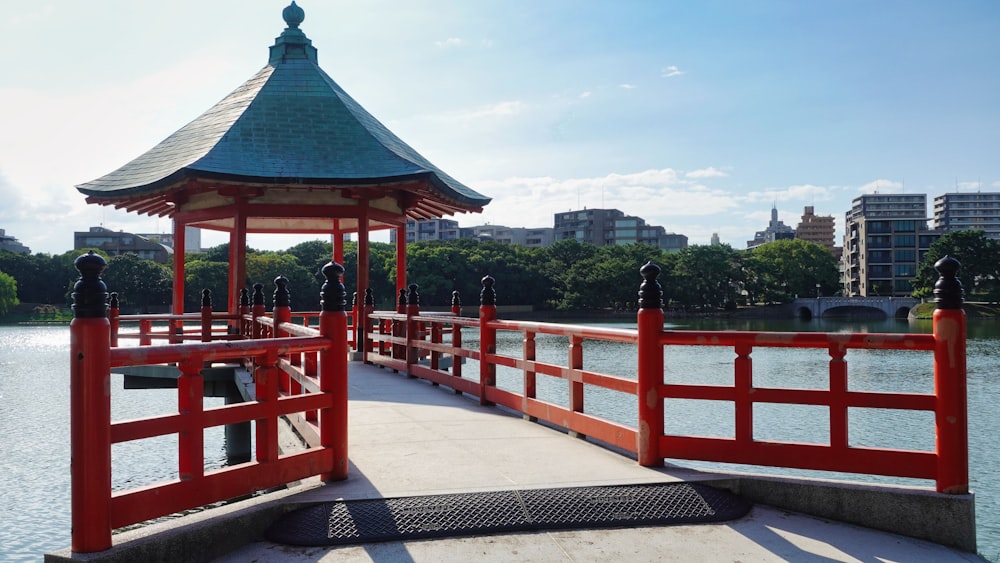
[
  {"x": 113, "y": 315},
  {"x": 244, "y": 310},
  {"x": 333, "y": 370},
  {"x": 399, "y": 328},
  {"x": 206, "y": 315},
  {"x": 456, "y": 335},
  {"x": 145, "y": 328},
  {"x": 950, "y": 383},
  {"x": 366, "y": 322},
  {"x": 90, "y": 409},
  {"x": 650, "y": 368},
  {"x": 487, "y": 339},
  {"x": 412, "y": 331},
  {"x": 282, "y": 313},
  {"x": 575, "y": 362},
  {"x": 191, "y": 405},
  {"x": 356, "y": 327},
  {"x": 258, "y": 310}
]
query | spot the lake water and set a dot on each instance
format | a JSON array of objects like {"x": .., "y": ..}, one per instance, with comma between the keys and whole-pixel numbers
[{"x": 34, "y": 415}]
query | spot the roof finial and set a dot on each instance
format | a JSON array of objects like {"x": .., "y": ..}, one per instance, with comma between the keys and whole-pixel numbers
[{"x": 293, "y": 15}]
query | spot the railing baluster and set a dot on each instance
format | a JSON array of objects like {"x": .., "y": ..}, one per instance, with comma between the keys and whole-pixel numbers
[
  {"x": 743, "y": 383},
  {"x": 190, "y": 403},
  {"x": 576, "y": 387},
  {"x": 838, "y": 398}
]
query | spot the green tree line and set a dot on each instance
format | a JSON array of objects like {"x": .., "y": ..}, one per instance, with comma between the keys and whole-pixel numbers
[{"x": 568, "y": 275}]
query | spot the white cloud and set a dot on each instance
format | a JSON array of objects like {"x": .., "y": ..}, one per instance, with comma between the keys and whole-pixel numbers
[
  {"x": 486, "y": 43},
  {"x": 499, "y": 109},
  {"x": 627, "y": 86},
  {"x": 450, "y": 42},
  {"x": 710, "y": 172},
  {"x": 671, "y": 71},
  {"x": 584, "y": 95}
]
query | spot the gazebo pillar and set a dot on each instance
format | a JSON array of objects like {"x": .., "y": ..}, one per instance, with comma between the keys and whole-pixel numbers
[
  {"x": 400, "y": 257},
  {"x": 338, "y": 243},
  {"x": 237, "y": 258},
  {"x": 363, "y": 261},
  {"x": 180, "y": 228}
]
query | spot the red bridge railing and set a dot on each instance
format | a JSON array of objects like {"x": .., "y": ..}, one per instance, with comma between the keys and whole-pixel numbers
[
  {"x": 295, "y": 369},
  {"x": 430, "y": 347}
]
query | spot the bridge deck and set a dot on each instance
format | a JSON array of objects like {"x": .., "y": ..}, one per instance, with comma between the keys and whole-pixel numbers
[{"x": 409, "y": 438}]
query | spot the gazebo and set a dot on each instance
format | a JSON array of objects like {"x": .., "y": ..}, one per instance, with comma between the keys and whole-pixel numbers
[{"x": 289, "y": 151}]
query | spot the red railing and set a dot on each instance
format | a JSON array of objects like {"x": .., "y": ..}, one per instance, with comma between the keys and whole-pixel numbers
[
  {"x": 416, "y": 344},
  {"x": 295, "y": 370}
]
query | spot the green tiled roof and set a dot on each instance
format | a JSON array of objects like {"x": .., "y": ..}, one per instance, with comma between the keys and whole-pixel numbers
[{"x": 290, "y": 123}]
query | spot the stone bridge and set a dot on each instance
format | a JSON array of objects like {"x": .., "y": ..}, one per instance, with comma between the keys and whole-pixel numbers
[{"x": 888, "y": 307}]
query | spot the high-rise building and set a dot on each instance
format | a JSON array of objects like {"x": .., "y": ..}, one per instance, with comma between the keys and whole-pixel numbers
[
  {"x": 606, "y": 227},
  {"x": 968, "y": 211},
  {"x": 886, "y": 238},
  {"x": 776, "y": 230},
  {"x": 816, "y": 228}
]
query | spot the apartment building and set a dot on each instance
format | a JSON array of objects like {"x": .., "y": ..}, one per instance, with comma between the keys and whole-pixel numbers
[
  {"x": 115, "y": 243},
  {"x": 886, "y": 238},
  {"x": 606, "y": 227},
  {"x": 968, "y": 211},
  {"x": 816, "y": 228}
]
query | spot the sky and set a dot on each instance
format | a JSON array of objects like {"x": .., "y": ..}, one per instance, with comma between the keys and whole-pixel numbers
[{"x": 697, "y": 116}]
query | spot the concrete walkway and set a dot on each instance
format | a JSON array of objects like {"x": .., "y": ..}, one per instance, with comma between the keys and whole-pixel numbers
[{"x": 410, "y": 438}]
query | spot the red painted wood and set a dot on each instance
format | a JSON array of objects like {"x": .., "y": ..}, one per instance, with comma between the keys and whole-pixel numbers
[
  {"x": 90, "y": 434},
  {"x": 952, "y": 415}
]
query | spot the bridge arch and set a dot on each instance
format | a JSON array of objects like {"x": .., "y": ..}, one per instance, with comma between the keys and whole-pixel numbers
[{"x": 853, "y": 307}]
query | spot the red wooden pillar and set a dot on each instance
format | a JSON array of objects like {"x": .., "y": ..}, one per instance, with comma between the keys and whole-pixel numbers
[
  {"x": 368, "y": 326},
  {"x": 399, "y": 327},
  {"x": 90, "y": 409},
  {"x": 266, "y": 391},
  {"x": 529, "y": 351},
  {"x": 487, "y": 340},
  {"x": 237, "y": 256},
  {"x": 456, "y": 336},
  {"x": 576, "y": 387},
  {"x": 950, "y": 383},
  {"x": 282, "y": 314},
  {"x": 257, "y": 311},
  {"x": 333, "y": 371},
  {"x": 177, "y": 307},
  {"x": 650, "y": 368},
  {"x": 413, "y": 332},
  {"x": 113, "y": 318},
  {"x": 401, "y": 258},
  {"x": 743, "y": 405},
  {"x": 190, "y": 405},
  {"x": 246, "y": 330},
  {"x": 206, "y": 315}
]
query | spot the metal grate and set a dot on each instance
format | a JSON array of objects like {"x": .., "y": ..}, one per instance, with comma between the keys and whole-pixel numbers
[{"x": 373, "y": 520}]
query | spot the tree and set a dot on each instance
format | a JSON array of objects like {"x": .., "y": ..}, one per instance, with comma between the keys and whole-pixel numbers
[
  {"x": 8, "y": 293},
  {"x": 980, "y": 258},
  {"x": 784, "y": 269},
  {"x": 705, "y": 276},
  {"x": 140, "y": 283},
  {"x": 204, "y": 274},
  {"x": 264, "y": 267}
]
